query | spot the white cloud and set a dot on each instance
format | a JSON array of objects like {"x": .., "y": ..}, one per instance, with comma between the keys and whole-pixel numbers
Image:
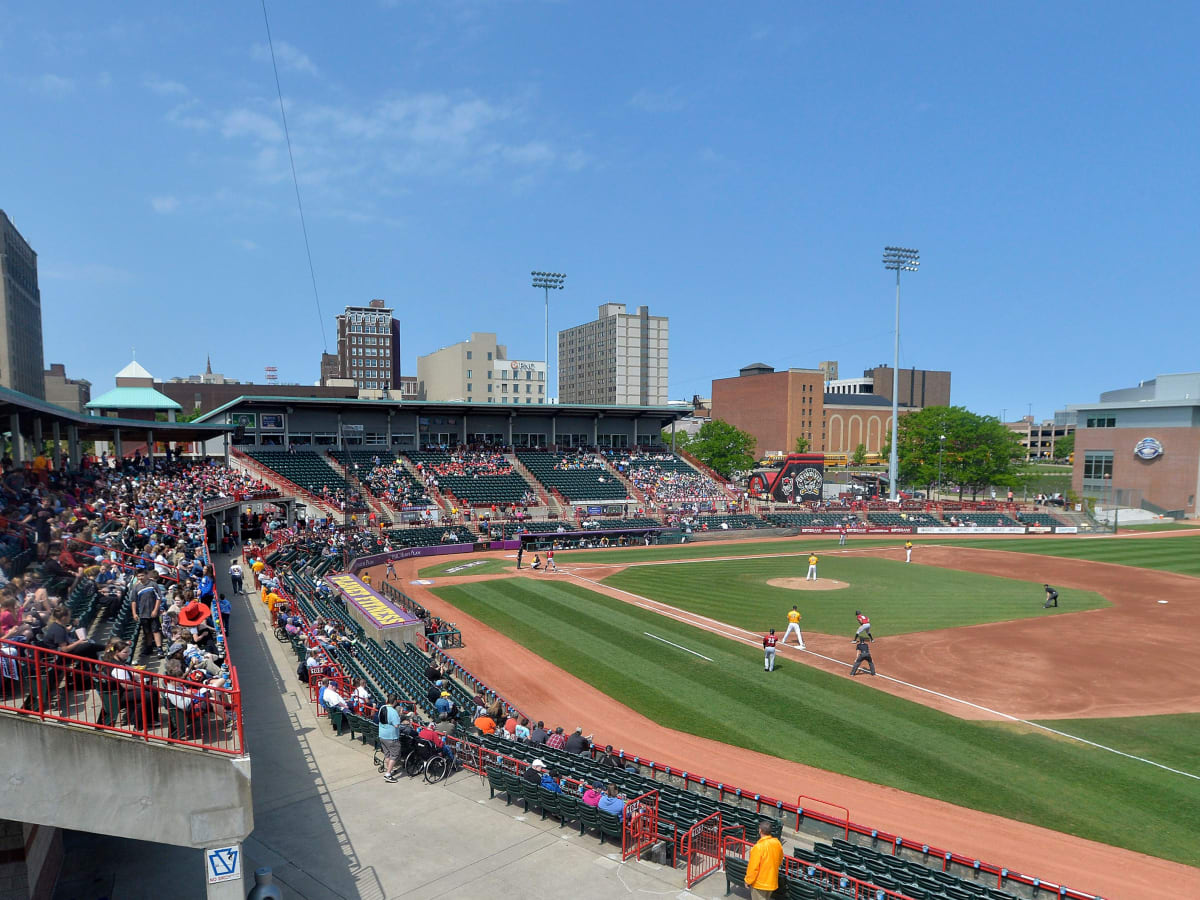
[
  {"x": 288, "y": 58},
  {"x": 669, "y": 100},
  {"x": 248, "y": 123},
  {"x": 94, "y": 273},
  {"x": 48, "y": 85},
  {"x": 164, "y": 86},
  {"x": 247, "y": 245},
  {"x": 164, "y": 204},
  {"x": 187, "y": 115}
]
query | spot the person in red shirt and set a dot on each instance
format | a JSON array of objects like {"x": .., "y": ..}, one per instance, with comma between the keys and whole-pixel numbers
[
  {"x": 864, "y": 627},
  {"x": 428, "y": 733},
  {"x": 769, "y": 643}
]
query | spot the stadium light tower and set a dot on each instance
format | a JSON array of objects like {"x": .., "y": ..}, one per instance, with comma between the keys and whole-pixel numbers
[
  {"x": 548, "y": 281},
  {"x": 898, "y": 259}
]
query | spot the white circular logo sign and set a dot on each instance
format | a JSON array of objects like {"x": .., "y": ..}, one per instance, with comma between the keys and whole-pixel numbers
[
  {"x": 1148, "y": 448},
  {"x": 808, "y": 482}
]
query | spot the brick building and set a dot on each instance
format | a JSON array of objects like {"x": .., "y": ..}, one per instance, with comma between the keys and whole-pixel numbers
[
  {"x": 1140, "y": 446},
  {"x": 778, "y": 407}
]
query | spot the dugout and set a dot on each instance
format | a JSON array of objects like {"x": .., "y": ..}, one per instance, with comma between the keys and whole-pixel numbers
[{"x": 599, "y": 539}]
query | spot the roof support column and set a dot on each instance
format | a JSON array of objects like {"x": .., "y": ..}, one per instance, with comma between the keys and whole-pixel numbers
[
  {"x": 18, "y": 453},
  {"x": 596, "y": 431},
  {"x": 56, "y": 431},
  {"x": 119, "y": 451},
  {"x": 511, "y": 416},
  {"x": 150, "y": 449},
  {"x": 37, "y": 436},
  {"x": 339, "y": 433},
  {"x": 635, "y": 432},
  {"x": 464, "y": 428},
  {"x": 73, "y": 457},
  {"x": 672, "y": 435},
  {"x": 553, "y": 430}
]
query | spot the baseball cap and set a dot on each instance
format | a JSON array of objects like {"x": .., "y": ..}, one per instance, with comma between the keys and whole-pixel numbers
[{"x": 538, "y": 764}]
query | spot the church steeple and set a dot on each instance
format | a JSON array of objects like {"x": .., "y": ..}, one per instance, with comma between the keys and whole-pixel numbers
[{"x": 208, "y": 367}]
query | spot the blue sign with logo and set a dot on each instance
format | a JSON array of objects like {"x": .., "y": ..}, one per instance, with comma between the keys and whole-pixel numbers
[{"x": 1148, "y": 448}]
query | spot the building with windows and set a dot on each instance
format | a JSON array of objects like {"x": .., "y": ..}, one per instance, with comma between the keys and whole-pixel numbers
[
  {"x": 779, "y": 407},
  {"x": 620, "y": 358},
  {"x": 1041, "y": 438},
  {"x": 21, "y": 363},
  {"x": 368, "y": 348},
  {"x": 918, "y": 387},
  {"x": 478, "y": 370},
  {"x": 1140, "y": 446},
  {"x": 69, "y": 393}
]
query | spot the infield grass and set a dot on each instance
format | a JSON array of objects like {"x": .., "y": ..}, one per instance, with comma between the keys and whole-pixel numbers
[
  {"x": 834, "y": 723},
  {"x": 899, "y": 598}
]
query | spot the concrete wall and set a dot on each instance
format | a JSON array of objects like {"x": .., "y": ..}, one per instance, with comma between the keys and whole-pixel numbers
[{"x": 72, "y": 777}]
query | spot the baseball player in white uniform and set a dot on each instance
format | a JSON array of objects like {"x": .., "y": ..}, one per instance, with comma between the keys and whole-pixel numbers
[{"x": 793, "y": 618}]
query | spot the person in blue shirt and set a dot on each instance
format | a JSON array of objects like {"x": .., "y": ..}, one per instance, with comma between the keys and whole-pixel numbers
[
  {"x": 443, "y": 703},
  {"x": 549, "y": 783},
  {"x": 207, "y": 583},
  {"x": 611, "y": 803},
  {"x": 389, "y": 735},
  {"x": 226, "y": 609}
]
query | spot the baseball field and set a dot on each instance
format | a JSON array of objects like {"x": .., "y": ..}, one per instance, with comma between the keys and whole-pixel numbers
[{"x": 675, "y": 637}]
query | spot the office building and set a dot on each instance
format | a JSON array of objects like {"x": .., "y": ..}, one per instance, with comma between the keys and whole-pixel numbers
[
  {"x": 620, "y": 358},
  {"x": 1040, "y": 438},
  {"x": 21, "y": 364},
  {"x": 368, "y": 348},
  {"x": 478, "y": 370},
  {"x": 69, "y": 393},
  {"x": 1140, "y": 446}
]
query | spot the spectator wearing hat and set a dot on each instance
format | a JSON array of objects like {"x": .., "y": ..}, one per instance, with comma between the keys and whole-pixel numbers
[
  {"x": 558, "y": 740},
  {"x": 533, "y": 772},
  {"x": 147, "y": 605},
  {"x": 443, "y": 703}
]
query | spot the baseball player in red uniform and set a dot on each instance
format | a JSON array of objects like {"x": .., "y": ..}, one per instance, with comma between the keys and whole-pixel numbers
[
  {"x": 864, "y": 627},
  {"x": 769, "y": 643}
]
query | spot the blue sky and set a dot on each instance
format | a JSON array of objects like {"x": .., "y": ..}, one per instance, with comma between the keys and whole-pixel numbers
[{"x": 738, "y": 167}]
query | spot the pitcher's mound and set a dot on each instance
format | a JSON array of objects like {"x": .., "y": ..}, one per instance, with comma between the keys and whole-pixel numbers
[{"x": 801, "y": 584}]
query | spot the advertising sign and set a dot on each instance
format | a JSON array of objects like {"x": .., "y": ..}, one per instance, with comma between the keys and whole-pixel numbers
[{"x": 380, "y": 611}]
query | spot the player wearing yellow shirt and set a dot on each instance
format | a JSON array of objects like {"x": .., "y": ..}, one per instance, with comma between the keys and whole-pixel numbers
[
  {"x": 793, "y": 618},
  {"x": 812, "y": 568}
]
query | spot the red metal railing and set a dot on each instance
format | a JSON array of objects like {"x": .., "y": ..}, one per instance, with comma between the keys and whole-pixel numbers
[
  {"x": 845, "y": 885},
  {"x": 800, "y": 806},
  {"x": 702, "y": 848},
  {"x": 62, "y": 687},
  {"x": 640, "y": 831}
]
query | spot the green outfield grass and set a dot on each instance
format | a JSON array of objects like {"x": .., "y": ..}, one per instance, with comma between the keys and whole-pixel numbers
[
  {"x": 1171, "y": 740},
  {"x": 466, "y": 565},
  {"x": 1162, "y": 526},
  {"x": 838, "y": 724},
  {"x": 899, "y": 598},
  {"x": 1172, "y": 554},
  {"x": 707, "y": 550}
]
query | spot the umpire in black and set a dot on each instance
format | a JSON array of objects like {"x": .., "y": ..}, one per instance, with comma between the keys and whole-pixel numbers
[
  {"x": 864, "y": 656},
  {"x": 1051, "y": 597}
]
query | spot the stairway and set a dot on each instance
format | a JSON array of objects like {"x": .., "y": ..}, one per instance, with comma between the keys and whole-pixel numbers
[
  {"x": 443, "y": 504},
  {"x": 543, "y": 496}
]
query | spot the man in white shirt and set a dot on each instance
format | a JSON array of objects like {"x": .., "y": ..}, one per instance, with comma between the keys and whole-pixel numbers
[{"x": 331, "y": 699}]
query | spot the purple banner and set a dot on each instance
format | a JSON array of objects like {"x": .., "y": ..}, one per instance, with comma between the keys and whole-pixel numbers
[{"x": 382, "y": 612}]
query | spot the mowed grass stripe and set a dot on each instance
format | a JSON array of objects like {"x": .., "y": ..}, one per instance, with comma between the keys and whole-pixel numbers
[
  {"x": 834, "y": 723},
  {"x": 1171, "y": 554},
  {"x": 1171, "y": 740},
  {"x": 899, "y": 598}
]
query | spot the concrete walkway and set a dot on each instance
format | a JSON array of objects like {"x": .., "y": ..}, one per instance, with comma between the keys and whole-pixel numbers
[{"x": 330, "y": 827}]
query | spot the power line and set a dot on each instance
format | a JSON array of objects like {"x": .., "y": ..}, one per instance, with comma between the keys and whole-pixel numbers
[{"x": 295, "y": 181}]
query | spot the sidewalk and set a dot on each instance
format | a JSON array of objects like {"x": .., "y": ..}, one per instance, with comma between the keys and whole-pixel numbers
[{"x": 330, "y": 827}]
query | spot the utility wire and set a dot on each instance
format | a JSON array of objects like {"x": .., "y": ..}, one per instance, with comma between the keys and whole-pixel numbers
[{"x": 295, "y": 181}]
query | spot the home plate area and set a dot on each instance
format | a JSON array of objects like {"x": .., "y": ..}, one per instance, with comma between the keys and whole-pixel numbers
[{"x": 801, "y": 584}]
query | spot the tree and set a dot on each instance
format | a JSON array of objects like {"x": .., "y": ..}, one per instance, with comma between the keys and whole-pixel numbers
[
  {"x": 802, "y": 444},
  {"x": 977, "y": 451},
  {"x": 1064, "y": 446},
  {"x": 722, "y": 447},
  {"x": 859, "y": 456}
]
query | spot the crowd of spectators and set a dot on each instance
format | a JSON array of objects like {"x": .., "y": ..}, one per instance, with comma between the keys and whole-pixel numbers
[
  {"x": 664, "y": 481},
  {"x": 392, "y": 483},
  {"x": 475, "y": 463}
]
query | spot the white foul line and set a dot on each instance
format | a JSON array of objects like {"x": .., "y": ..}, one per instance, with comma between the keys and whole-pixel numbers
[
  {"x": 661, "y": 609},
  {"x": 673, "y": 644}
]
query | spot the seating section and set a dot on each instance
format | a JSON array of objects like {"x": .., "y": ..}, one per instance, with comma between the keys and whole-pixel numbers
[
  {"x": 306, "y": 469},
  {"x": 714, "y": 523},
  {"x": 666, "y": 478},
  {"x": 901, "y": 519},
  {"x": 505, "y": 530},
  {"x": 478, "y": 478},
  {"x": 1039, "y": 520},
  {"x": 906, "y": 876},
  {"x": 987, "y": 520},
  {"x": 678, "y": 809},
  {"x": 430, "y": 536},
  {"x": 813, "y": 520},
  {"x": 389, "y": 480},
  {"x": 623, "y": 524},
  {"x": 575, "y": 476}
]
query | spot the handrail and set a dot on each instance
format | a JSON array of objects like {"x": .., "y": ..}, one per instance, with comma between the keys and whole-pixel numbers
[
  {"x": 64, "y": 687},
  {"x": 813, "y": 872}
]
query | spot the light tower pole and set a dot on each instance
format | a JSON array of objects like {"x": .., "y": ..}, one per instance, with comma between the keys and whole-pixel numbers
[
  {"x": 898, "y": 259},
  {"x": 548, "y": 281}
]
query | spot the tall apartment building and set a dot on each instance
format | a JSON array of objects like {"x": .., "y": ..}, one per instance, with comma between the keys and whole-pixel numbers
[
  {"x": 479, "y": 371},
  {"x": 368, "y": 348},
  {"x": 22, "y": 367},
  {"x": 620, "y": 358}
]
